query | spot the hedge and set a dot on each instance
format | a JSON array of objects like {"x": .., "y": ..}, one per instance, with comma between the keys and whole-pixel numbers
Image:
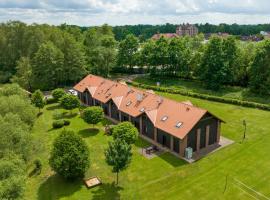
[
  {"x": 203, "y": 96},
  {"x": 60, "y": 123}
]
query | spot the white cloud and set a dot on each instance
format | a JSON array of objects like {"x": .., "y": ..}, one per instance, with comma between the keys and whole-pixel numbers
[{"x": 93, "y": 12}]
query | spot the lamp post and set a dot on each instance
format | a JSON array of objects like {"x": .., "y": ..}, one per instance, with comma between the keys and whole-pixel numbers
[{"x": 245, "y": 128}]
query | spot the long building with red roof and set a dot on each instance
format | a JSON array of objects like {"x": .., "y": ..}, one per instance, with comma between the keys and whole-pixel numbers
[{"x": 168, "y": 124}]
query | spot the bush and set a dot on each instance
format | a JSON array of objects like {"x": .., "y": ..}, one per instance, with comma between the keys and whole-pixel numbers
[
  {"x": 93, "y": 115},
  {"x": 66, "y": 122},
  {"x": 38, "y": 164},
  {"x": 69, "y": 101},
  {"x": 50, "y": 101},
  {"x": 69, "y": 156},
  {"x": 58, "y": 93},
  {"x": 58, "y": 123},
  {"x": 125, "y": 131},
  {"x": 204, "y": 96}
]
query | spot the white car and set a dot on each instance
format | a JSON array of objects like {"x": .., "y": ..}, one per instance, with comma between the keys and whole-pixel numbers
[{"x": 73, "y": 92}]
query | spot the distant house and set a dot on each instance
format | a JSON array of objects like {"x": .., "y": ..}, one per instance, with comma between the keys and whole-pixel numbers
[
  {"x": 181, "y": 30},
  {"x": 187, "y": 29},
  {"x": 167, "y": 124},
  {"x": 165, "y": 35}
]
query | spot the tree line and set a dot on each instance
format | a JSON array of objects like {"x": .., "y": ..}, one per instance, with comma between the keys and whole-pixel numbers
[
  {"x": 217, "y": 62},
  {"x": 147, "y": 31},
  {"x": 44, "y": 57}
]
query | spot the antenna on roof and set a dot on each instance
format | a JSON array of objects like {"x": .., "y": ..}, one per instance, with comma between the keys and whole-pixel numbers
[
  {"x": 160, "y": 101},
  {"x": 139, "y": 97}
]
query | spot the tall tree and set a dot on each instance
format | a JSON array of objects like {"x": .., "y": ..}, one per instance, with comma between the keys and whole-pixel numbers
[
  {"x": 260, "y": 69},
  {"x": 48, "y": 66},
  {"x": 118, "y": 155},
  {"x": 179, "y": 57},
  {"x": 212, "y": 69},
  {"x": 127, "y": 50},
  {"x": 23, "y": 74},
  {"x": 74, "y": 65},
  {"x": 160, "y": 57}
]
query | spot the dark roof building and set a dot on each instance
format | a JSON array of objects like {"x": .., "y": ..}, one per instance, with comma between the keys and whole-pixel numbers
[{"x": 163, "y": 122}]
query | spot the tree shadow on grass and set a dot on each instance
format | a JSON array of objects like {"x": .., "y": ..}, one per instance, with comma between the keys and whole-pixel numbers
[
  {"x": 88, "y": 132},
  {"x": 108, "y": 191},
  {"x": 53, "y": 107},
  {"x": 172, "y": 160},
  {"x": 56, "y": 187}
]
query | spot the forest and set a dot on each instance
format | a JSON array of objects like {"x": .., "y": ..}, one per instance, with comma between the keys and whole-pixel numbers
[{"x": 46, "y": 57}]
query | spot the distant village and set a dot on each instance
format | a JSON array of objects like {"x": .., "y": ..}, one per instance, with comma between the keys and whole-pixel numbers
[{"x": 191, "y": 30}]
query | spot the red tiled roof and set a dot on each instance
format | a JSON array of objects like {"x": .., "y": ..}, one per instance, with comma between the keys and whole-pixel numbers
[
  {"x": 135, "y": 102},
  {"x": 165, "y": 35}
]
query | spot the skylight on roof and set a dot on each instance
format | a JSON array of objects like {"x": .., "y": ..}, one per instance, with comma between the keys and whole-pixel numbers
[
  {"x": 142, "y": 109},
  {"x": 128, "y": 103},
  {"x": 178, "y": 124},
  {"x": 164, "y": 118}
]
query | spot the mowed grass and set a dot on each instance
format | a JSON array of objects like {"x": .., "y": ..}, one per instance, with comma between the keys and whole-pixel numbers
[
  {"x": 165, "y": 177},
  {"x": 198, "y": 87}
]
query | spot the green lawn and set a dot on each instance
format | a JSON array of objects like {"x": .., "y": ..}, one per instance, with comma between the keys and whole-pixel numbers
[
  {"x": 196, "y": 86},
  {"x": 165, "y": 177}
]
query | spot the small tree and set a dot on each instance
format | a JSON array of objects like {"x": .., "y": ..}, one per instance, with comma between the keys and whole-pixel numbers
[
  {"x": 69, "y": 102},
  {"x": 69, "y": 156},
  {"x": 93, "y": 115},
  {"x": 58, "y": 93},
  {"x": 125, "y": 131},
  {"x": 118, "y": 155},
  {"x": 38, "y": 99}
]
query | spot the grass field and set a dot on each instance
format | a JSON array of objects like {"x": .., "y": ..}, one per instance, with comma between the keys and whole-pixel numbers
[
  {"x": 246, "y": 165},
  {"x": 196, "y": 86}
]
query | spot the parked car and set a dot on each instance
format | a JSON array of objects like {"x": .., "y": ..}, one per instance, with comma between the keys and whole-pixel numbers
[{"x": 73, "y": 92}]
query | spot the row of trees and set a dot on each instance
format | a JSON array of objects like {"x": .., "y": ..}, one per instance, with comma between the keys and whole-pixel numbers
[
  {"x": 145, "y": 32},
  {"x": 17, "y": 145},
  {"x": 221, "y": 61},
  {"x": 44, "y": 57}
]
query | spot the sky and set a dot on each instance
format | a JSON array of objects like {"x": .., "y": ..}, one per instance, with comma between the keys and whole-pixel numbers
[{"x": 121, "y": 12}]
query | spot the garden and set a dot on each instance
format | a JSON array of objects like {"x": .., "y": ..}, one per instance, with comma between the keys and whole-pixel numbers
[{"x": 239, "y": 171}]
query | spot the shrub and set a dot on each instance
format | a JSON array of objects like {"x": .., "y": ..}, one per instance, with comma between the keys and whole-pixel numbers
[
  {"x": 69, "y": 156},
  {"x": 93, "y": 115},
  {"x": 58, "y": 123},
  {"x": 66, "y": 122},
  {"x": 58, "y": 93},
  {"x": 38, "y": 165},
  {"x": 69, "y": 102},
  {"x": 125, "y": 131}
]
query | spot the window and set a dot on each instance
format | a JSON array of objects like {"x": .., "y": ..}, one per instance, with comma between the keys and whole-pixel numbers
[
  {"x": 164, "y": 118},
  {"x": 142, "y": 109},
  {"x": 128, "y": 103},
  {"x": 178, "y": 124}
]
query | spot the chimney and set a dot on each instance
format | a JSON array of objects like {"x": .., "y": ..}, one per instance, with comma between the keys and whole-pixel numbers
[{"x": 139, "y": 97}]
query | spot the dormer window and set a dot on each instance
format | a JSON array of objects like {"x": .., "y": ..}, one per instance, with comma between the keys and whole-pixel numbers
[
  {"x": 128, "y": 103},
  {"x": 142, "y": 109},
  {"x": 178, "y": 124},
  {"x": 164, "y": 118}
]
